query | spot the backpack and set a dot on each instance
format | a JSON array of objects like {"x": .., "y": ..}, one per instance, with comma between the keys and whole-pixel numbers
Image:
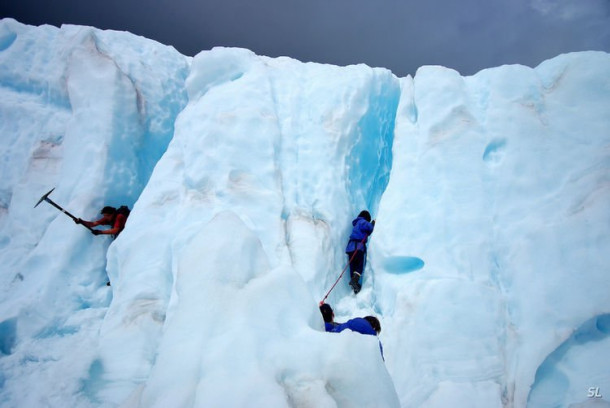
[{"x": 123, "y": 210}]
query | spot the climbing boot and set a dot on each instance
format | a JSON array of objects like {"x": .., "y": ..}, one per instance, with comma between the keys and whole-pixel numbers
[{"x": 354, "y": 283}]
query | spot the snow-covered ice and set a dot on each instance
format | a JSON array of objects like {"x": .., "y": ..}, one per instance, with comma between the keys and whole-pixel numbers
[{"x": 488, "y": 267}]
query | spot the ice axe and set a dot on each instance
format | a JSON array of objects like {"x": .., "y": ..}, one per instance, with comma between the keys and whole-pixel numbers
[{"x": 48, "y": 200}]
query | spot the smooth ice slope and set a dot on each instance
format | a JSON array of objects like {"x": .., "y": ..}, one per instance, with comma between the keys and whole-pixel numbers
[{"x": 488, "y": 268}]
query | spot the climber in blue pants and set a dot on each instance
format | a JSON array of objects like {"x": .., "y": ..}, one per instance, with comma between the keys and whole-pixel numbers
[{"x": 356, "y": 247}]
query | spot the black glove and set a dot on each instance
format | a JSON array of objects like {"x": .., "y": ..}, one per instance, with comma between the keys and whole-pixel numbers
[
  {"x": 373, "y": 222},
  {"x": 78, "y": 221},
  {"x": 96, "y": 232}
]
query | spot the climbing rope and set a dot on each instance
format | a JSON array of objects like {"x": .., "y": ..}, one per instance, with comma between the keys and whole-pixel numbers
[{"x": 342, "y": 272}]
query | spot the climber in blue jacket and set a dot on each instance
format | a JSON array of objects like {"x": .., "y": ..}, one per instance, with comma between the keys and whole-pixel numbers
[
  {"x": 356, "y": 247},
  {"x": 364, "y": 325}
]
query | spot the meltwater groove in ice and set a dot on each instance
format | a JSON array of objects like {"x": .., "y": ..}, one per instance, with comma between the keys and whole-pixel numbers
[
  {"x": 370, "y": 160},
  {"x": 577, "y": 367}
]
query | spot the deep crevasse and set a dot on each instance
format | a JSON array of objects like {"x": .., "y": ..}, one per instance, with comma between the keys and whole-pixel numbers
[{"x": 241, "y": 227}]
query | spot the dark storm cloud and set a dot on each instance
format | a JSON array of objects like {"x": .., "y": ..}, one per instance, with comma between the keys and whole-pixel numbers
[{"x": 401, "y": 35}]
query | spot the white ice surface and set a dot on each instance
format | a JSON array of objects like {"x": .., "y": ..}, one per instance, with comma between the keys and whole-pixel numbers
[{"x": 488, "y": 267}]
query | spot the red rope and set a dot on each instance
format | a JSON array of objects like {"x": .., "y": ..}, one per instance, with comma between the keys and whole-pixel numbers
[{"x": 342, "y": 272}]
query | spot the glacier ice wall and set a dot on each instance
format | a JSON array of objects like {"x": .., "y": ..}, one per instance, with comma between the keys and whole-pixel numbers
[
  {"x": 488, "y": 266},
  {"x": 243, "y": 148},
  {"x": 80, "y": 114},
  {"x": 500, "y": 187}
]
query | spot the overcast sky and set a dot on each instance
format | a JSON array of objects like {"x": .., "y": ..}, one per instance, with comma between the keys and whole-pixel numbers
[{"x": 402, "y": 35}]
